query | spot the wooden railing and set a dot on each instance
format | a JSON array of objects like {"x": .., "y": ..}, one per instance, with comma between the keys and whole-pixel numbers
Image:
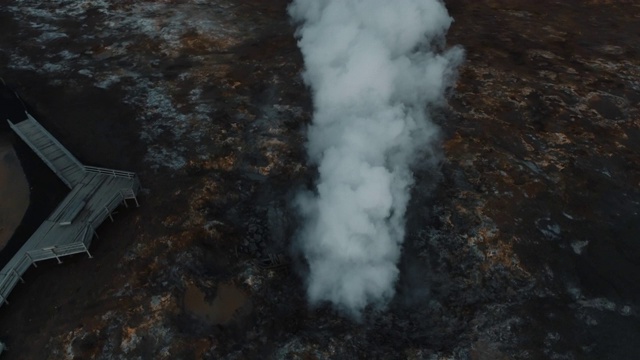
[
  {"x": 111, "y": 172},
  {"x": 80, "y": 244},
  {"x": 10, "y": 279}
]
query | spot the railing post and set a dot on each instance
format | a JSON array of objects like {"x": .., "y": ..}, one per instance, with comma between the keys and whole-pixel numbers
[
  {"x": 108, "y": 213},
  {"x": 124, "y": 198},
  {"x": 18, "y": 275},
  {"x": 32, "y": 261},
  {"x": 54, "y": 254},
  {"x": 87, "y": 250}
]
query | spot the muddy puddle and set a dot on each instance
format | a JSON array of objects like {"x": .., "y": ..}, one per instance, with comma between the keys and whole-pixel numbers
[
  {"x": 221, "y": 310},
  {"x": 14, "y": 191}
]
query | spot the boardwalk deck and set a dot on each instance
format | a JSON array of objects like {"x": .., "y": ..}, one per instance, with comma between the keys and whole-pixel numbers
[
  {"x": 59, "y": 159},
  {"x": 70, "y": 228}
]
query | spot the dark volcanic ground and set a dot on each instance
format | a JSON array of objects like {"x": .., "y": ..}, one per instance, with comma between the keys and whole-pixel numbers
[{"x": 525, "y": 247}]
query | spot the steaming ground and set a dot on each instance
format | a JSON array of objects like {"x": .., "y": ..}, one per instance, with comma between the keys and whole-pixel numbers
[{"x": 373, "y": 72}]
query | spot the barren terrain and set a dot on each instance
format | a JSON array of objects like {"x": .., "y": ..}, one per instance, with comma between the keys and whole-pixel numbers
[{"x": 523, "y": 246}]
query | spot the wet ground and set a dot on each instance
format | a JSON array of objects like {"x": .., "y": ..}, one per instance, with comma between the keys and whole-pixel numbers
[
  {"x": 14, "y": 191},
  {"x": 218, "y": 311},
  {"x": 523, "y": 245}
]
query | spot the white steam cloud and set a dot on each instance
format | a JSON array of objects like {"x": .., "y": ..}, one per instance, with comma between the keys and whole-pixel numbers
[{"x": 373, "y": 71}]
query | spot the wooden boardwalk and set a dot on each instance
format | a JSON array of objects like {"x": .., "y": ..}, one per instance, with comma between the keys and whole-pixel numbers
[
  {"x": 95, "y": 193},
  {"x": 61, "y": 161}
]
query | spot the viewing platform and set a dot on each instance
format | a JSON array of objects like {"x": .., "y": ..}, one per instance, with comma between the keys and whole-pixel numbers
[{"x": 95, "y": 193}]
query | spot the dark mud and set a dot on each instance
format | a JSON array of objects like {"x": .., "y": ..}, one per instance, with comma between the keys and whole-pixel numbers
[{"x": 14, "y": 191}]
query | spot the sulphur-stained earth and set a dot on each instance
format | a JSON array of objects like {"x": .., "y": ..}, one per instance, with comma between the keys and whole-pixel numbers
[{"x": 524, "y": 244}]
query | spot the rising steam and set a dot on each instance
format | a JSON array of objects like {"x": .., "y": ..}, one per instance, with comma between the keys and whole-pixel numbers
[{"x": 374, "y": 69}]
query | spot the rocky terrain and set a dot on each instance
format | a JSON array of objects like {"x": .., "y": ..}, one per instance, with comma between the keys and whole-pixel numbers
[{"x": 523, "y": 246}]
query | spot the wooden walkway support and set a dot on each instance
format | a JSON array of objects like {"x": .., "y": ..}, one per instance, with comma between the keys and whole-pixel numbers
[{"x": 95, "y": 193}]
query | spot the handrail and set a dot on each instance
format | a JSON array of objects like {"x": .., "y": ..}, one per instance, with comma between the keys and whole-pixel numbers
[
  {"x": 112, "y": 172},
  {"x": 24, "y": 261},
  {"x": 35, "y": 255},
  {"x": 4, "y": 282},
  {"x": 11, "y": 278}
]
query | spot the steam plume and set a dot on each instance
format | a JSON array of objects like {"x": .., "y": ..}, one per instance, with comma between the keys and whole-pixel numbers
[{"x": 374, "y": 69}]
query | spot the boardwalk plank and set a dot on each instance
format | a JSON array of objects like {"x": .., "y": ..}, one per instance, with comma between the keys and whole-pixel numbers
[{"x": 48, "y": 148}]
